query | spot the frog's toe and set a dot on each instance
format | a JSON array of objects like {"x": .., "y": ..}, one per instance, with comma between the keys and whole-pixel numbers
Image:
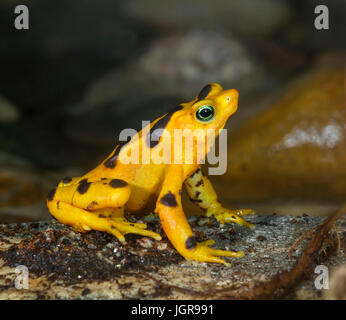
[
  {"x": 131, "y": 224},
  {"x": 116, "y": 226},
  {"x": 117, "y": 234},
  {"x": 227, "y": 216},
  {"x": 136, "y": 228},
  {"x": 204, "y": 253},
  {"x": 244, "y": 212}
]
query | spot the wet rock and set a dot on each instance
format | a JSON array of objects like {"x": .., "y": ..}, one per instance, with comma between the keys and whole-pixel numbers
[
  {"x": 266, "y": 16},
  {"x": 65, "y": 264},
  {"x": 296, "y": 149},
  {"x": 8, "y": 111}
]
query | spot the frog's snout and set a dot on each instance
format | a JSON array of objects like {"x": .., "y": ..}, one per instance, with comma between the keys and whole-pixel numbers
[
  {"x": 228, "y": 99},
  {"x": 231, "y": 96}
]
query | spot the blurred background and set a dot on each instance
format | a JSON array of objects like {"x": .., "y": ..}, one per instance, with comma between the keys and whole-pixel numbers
[{"x": 85, "y": 70}]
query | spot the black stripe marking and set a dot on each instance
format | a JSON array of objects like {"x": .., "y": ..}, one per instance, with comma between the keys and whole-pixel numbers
[
  {"x": 190, "y": 243},
  {"x": 204, "y": 92},
  {"x": 111, "y": 161},
  {"x": 196, "y": 172},
  {"x": 83, "y": 187},
  {"x": 118, "y": 183},
  {"x": 83, "y": 181},
  {"x": 200, "y": 183},
  {"x": 155, "y": 133},
  {"x": 169, "y": 200},
  {"x": 66, "y": 180},
  {"x": 176, "y": 108},
  {"x": 195, "y": 200},
  {"x": 51, "y": 194},
  {"x": 92, "y": 204}
]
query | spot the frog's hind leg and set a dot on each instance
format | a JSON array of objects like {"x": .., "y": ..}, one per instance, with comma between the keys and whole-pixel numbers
[
  {"x": 84, "y": 220},
  {"x": 80, "y": 219},
  {"x": 88, "y": 206}
]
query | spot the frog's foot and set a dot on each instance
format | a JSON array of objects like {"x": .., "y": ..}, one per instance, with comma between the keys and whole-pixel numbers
[
  {"x": 204, "y": 253},
  {"x": 124, "y": 227},
  {"x": 84, "y": 220},
  {"x": 243, "y": 212},
  {"x": 231, "y": 215}
]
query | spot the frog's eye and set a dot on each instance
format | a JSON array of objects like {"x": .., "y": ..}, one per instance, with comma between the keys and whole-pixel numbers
[{"x": 205, "y": 113}]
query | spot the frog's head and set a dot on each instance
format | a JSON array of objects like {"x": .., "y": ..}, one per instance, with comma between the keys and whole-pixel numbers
[
  {"x": 210, "y": 110},
  {"x": 207, "y": 114},
  {"x": 213, "y": 106}
]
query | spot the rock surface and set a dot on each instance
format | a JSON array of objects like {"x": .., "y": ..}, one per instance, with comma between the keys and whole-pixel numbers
[{"x": 64, "y": 264}]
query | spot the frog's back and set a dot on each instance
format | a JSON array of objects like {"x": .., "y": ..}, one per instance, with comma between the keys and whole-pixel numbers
[{"x": 127, "y": 163}]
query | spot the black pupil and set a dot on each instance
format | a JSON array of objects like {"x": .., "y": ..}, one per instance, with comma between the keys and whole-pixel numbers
[{"x": 205, "y": 113}]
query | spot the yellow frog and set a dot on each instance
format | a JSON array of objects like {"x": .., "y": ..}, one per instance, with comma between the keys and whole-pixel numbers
[{"x": 97, "y": 200}]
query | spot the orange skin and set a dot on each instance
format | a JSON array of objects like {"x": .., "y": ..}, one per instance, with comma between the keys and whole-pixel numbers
[{"x": 97, "y": 200}]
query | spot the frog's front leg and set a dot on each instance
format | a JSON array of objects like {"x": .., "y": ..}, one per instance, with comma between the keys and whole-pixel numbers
[
  {"x": 95, "y": 205},
  {"x": 202, "y": 193},
  {"x": 176, "y": 226}
]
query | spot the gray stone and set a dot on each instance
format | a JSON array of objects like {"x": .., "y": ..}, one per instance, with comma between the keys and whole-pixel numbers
[
  {"x": 250, "y": 17},
  {"x": 180, "y": 65}
]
